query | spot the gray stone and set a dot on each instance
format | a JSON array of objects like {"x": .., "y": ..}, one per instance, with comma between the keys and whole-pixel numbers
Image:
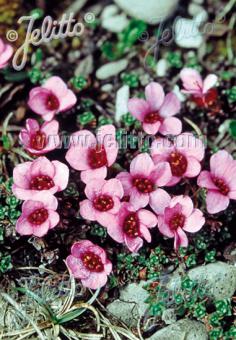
[
  {"x": 182, "y": 330},
  {"x": 85, "y": 67},
  {"x": 161, "y": 68},
  {"x": 169, "y": 316},
  {"x": 152, "y": 12},
  {"x": 115, "y": 24},
  {"x": 187, "y": 34},
  {"x": 219, "y": 279},
  {"x": 109, "y": 11},
  {"x": 122, "y": 97},
  {"x": 111, "y": 69},
  {"x": 131, "y": 304}
]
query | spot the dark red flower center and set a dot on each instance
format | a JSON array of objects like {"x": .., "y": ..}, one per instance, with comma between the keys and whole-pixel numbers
[
  {"x": 221, "y": 185},
  {"x": 38, "y": 141},
  {"x": 92, "y": 262},
  {"x": 52, "y": 102},
  {"x": 178, "y": 163},
  {"x": 144, "y": 185},
  {"x": 152, "y": 117},
  {"x": 131, "y": 225},
  {"x": 38, "y": 217},
  {"x": 207, "y": 100},
  {"x": 103, "y": 202},
  {"x": 41, "y": 182},
  {"x": 177, "y": 221},
  {"x": 97, "y": 157}
]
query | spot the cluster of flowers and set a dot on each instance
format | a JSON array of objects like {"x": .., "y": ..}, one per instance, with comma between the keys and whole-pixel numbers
[{"x": 120, "y": 204}]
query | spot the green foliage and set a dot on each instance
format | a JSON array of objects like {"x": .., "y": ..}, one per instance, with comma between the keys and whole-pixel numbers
[
  {"x": 79, "y": 82},
  {"x": 126, "y": 39},
  {"x": 103, "y": 120},
  {"x": 5, "y": 263},
  {"x": 130, "y": 79},
  {"x": 232, "y": 128},
  {"x": 175, "y": 59},
  {"x": 133, "y": 265},
  {"x": 86, "y": 117},
  {"x": 231, "y": 94}
]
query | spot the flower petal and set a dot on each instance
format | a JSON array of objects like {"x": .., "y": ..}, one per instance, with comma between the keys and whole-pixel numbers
[
  {"x": 193, "y": 167},
  {"x": 171, "y": 126},
  {"x": 181, "y": 239},
  {"x": 185, "y": 202},
  {"x": 95, "y": 280},
  {"x": 61, "y": 176},
  {"x": 154, "y": 95},
  {"x": 159, "y": 200},
  {"x": 147, "y": 218},
  {"x": 171, "y": 105},
  {"x": 192, "y": 81},
  {"x": 93, "y": 174},
  {"x": 141, "y": 165},
  {"x": 76, "y": 267},
  {"x": 164, "y": 227},
  {"x": 216, "y": 202},
  {"x": 113, "y": 187},
  {"x": 133, "y": 244},
  {"x": 87, "y": 210},
  {"x": 161, "y": 175},
  {"x": 190, "y": 145},
  {"x": 23, "y": 227},
  {"x": 209, "y": 82},
  {"x": 138, "y": 108},
  {"x": 126, "y": 180},
  {"x": 42, "y": 229},
  {"x": 194, "y": 222},
  {"x": 138, "y": 200},
  {"x": 151, "y": 129},
  {"x": 205, "y": 181}
]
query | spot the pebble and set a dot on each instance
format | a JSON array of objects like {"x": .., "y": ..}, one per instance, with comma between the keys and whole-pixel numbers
[
  {"x": 151, "y": 11},
  {"x": 122, "y": 97},
  {"x": 111, "y": 69}
]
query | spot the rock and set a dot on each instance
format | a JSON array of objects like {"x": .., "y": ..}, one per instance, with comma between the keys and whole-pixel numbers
[
  {"x": 131, "y": 304},
  {"x": 152, "y": 12},
  {"x": 219, "y": 279},
  {"x": 122, "y": 97},
  {"x": 116, "y": 23},
  {"x": 198, "y": 1},
  {"x": 109, "y": 11},
  {"x": 161, "y": 68},
  {"x": 195, "y": 9},
  {"x": 111, "y": 69},
  {"x": 182, "y": 330},
  {"x": 187, "y": 34},
  {"x": 107, "y": 87},
  {"x": 169, "y": 316},
  {"x": 85, "y": 67},
  {"x": 178, "y": 93}
]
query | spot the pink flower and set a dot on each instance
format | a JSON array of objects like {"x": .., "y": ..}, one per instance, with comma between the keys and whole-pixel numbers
[
  {"x": 132, "y": 226},
  {"x": 156, "y": 111},
  {"x": 6, "y": 52},
  {"x": 202, "y": 90},
  {"x": 40, "y": 179},
  {"x": 103, "y": 201},
  {"x": 184, "y": 155},
  {"x": 40, "y": 140},
  {"x": 92, "y": 155},
  {"x": 88, "y": 262},
  {"x": 37, "y": 218},
  {"x": 50, "y": 98},
  {"x": 178, "y": 216},
  {"x": 220, "y": 181},
  {"x": 142, "y": 183}
]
